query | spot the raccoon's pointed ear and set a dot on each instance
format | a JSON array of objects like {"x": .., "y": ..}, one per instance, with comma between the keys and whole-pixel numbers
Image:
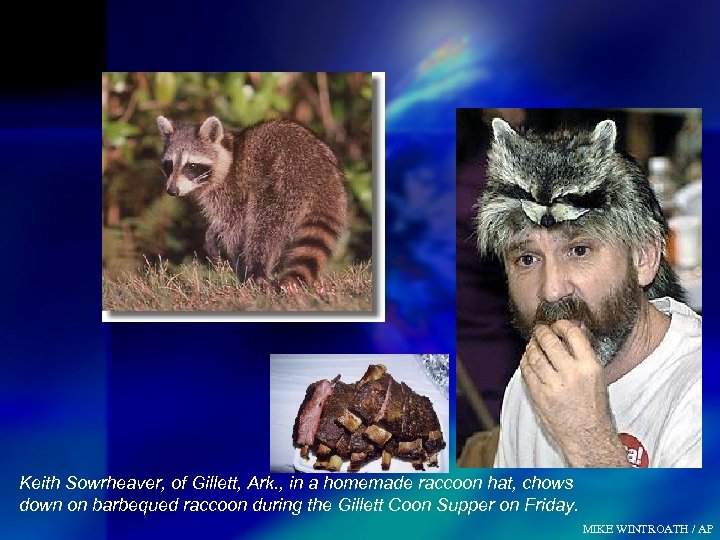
[
  {"x": 504, "y": 134},
  {"x": 604, "y": 136},
  {"x": 165, "y": 126},
  {"x": 211, "y": 129}
]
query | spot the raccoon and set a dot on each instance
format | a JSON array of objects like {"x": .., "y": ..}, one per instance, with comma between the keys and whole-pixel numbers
[
  {"x": 570, "y": 176},
  {"x": 273, "y": 195}
]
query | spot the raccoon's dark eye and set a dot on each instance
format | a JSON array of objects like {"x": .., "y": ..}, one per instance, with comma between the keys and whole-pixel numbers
[
  {"x": 168, "y": 167},
  {"x": 196, "y": 170}
]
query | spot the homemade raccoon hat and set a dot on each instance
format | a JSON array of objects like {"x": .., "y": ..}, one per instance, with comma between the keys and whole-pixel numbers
[{"x": 569, "y": 178}]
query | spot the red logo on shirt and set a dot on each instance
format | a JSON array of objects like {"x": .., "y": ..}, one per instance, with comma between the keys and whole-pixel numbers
[{"x": 636, "y": 453}]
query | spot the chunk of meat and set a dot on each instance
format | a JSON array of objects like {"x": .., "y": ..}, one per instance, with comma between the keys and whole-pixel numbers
[
  {"x": 329, "y": 431},
  {"x": 375, "y": 416},
  {"x": 370, "y": 398},
  {"x": 310, "y": 412},
  {"x": 419, "y": 417}
]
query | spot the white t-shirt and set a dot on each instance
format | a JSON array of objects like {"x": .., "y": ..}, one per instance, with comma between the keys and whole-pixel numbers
[{"x": 657, "y": 406}]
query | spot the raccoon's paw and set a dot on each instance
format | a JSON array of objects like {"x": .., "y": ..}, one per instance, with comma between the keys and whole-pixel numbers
[
  {"x": 322, "y": 292},
  {"x": 291, "y": 285}
]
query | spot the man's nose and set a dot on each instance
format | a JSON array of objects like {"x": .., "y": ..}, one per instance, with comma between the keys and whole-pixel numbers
[{"x": 556, "y": 282}]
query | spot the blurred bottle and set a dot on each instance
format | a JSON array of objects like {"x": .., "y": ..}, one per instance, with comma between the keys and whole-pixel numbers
[
  {"x": 662, "y": 182},
  {"x": 664, "y": 188},
  {"x": 686, "y": 226},
  {"x": 686, "y": 238}
]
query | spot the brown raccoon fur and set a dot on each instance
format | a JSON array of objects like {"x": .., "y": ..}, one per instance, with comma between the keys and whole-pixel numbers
[{"x": 273, "y": 194}]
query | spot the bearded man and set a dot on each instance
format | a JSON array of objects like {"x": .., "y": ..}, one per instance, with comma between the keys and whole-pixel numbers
[{"x": 611, "y": 375}]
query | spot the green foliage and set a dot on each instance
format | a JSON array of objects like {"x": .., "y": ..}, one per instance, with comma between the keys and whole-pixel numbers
[
  {"x": 116, "y": 133},
  {"x": 165, "y": 87},
  {"x": 141, "y": 221},
  {"x": 359, "y": 181},
  {"x": 245, "y": 104},
  {"x": 163, "y": 229}
]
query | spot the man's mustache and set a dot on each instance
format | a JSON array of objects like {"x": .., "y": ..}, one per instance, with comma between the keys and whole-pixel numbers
[{"x": 567, "y": 308}]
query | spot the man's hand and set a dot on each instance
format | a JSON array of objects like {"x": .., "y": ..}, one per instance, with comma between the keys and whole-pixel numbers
[{"x": 566, "y": 384}]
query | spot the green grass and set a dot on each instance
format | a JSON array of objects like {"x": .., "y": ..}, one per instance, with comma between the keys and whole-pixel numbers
[{"x": 197, "y": 287}]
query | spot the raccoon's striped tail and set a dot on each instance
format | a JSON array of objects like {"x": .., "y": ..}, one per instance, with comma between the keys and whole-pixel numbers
[{"x": 309, "y": 251}]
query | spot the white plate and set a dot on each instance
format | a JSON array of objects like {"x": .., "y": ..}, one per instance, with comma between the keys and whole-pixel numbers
[{"x": 397, "y": 465}]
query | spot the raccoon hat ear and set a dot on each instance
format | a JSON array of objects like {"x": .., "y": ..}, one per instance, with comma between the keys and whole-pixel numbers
[
  {"x": 165, "y": 126},
  {"x": 211, "y": 129},
  {"x": 603, "y": 136},
  {"x": 504, "y": 134}
]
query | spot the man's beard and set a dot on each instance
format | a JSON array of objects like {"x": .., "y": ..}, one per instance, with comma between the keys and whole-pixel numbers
[{"x": 608, "y": 328}]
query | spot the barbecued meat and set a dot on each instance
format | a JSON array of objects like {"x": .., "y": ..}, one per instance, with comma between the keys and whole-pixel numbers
[
  {"x": 308, "y": 420},
  {"x": 419, "y": 418},
  {"x": 329, "y": 431},
  {"x": 369, "y": 418},
  {"x": 360, "y": 444},
  {"x": 392, "y": 414},
  {"x": 370, "y": 398}
]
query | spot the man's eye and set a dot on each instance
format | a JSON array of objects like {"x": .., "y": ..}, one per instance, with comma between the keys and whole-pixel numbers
[
  {"x": 168, "y": 167},
  {"x": 579, "y": 251},
  {"x": 526, "y": 260}
]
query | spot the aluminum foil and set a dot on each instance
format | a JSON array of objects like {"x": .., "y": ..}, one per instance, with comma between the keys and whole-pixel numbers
[{"x": 437, "y": 368}]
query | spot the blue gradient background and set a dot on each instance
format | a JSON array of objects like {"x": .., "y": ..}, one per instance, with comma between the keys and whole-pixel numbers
[{"x": 165, "y": 400}]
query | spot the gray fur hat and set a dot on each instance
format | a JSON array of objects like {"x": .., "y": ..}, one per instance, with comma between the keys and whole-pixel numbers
[{"x": 570, "y": 177}]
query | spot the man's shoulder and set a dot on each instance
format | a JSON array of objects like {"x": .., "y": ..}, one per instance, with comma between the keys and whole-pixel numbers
[
  {"x": 674, "y": 366},
  {"x": 684, "y": 336},
  {"x": 680, "y": 353},
  {"x": 690, "y": 322}
]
